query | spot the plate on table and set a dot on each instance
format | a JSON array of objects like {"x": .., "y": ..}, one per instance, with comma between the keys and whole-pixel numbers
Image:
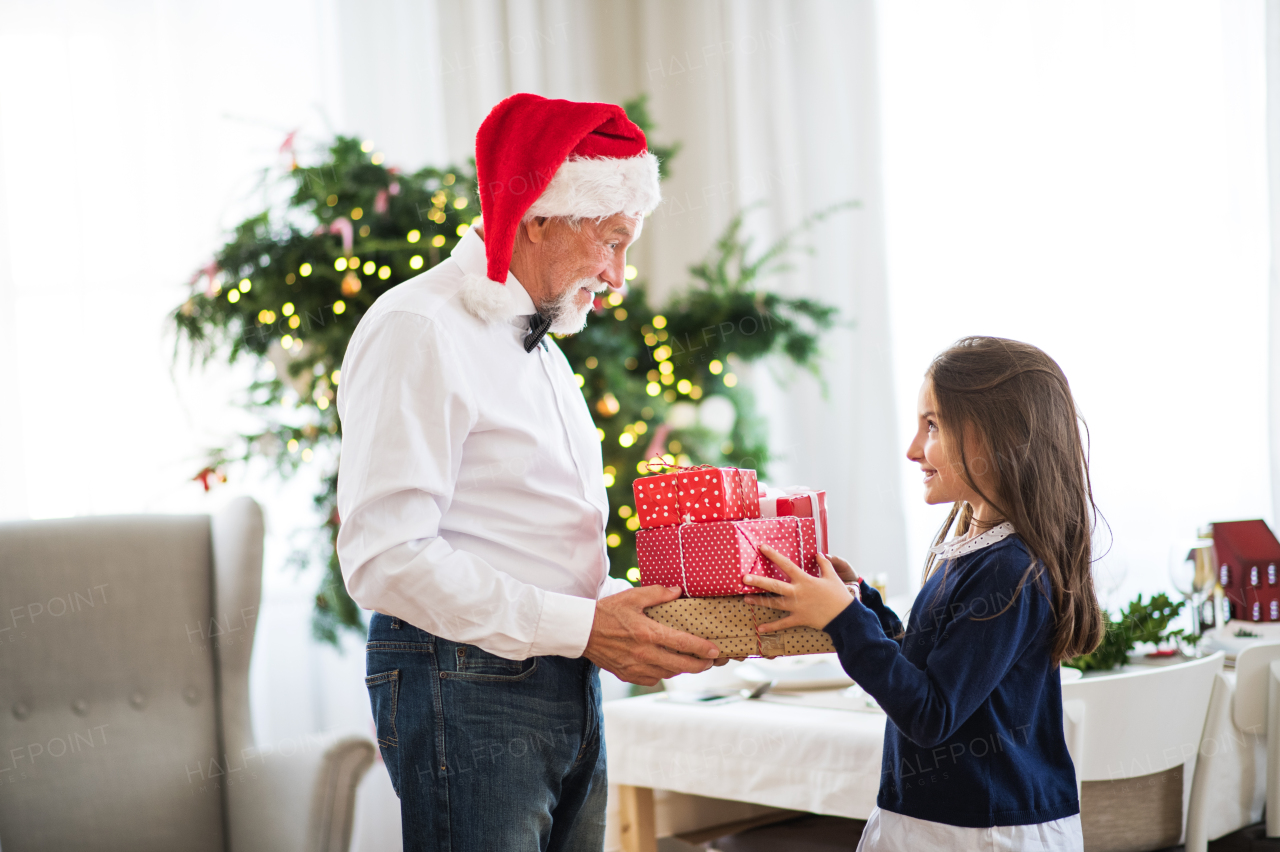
[
  {"x": 811, "y": 671},
  {"x": 1225, "y": 639}
]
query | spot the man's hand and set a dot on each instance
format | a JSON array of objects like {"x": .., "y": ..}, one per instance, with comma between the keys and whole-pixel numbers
[
  {"x": 844, "y": 570},
  {"x": 638, "y": 649},
  {"x": 850, "y": 577}
]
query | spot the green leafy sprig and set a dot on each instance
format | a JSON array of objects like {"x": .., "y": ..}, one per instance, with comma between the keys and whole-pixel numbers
[{"x": 1141, "y": 621}]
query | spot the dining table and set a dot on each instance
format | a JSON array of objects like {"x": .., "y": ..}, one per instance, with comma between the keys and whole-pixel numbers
[{"x": 810, "y": 750}]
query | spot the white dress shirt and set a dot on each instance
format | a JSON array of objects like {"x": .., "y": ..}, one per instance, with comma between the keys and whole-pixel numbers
[{"x": 470, "y": 488}]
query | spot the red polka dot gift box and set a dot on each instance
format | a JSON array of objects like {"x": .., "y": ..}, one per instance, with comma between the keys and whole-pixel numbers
[
  {"x": 709, "y": 559},
  {"x": 696, "y": 495},
  {"x": 798, "y": 501}
]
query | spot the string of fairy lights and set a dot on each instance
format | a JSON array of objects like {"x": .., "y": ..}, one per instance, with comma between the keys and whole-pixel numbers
[{"x": 648, "y": 430}]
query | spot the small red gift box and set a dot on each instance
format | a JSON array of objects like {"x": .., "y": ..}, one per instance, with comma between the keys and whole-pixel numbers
[
  {"x": 709, "y": 559},
  {"x": 696, "y": 495},
  {"x": 798, "y": 502}
]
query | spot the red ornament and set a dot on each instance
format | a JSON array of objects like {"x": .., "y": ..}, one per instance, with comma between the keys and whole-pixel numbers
[
  {"x": 342, "y": 225},
  {"x": 210, "y": 274},
  {"x": 286, "y": 147},
  {"x": 208, "y": 473}
]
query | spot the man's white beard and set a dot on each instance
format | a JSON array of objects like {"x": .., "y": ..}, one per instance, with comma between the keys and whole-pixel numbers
[{"x": 565, "y": 316}]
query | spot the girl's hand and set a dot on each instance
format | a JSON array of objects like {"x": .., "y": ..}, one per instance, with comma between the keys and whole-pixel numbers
[
  {"x": 845, "y": 570},
  {"x": 812, "y": 601}
]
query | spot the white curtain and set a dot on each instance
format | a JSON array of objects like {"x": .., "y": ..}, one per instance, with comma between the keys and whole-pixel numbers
[
  {"x": 1273, "y": 163},
  {"x": 1091, "y": 177},
  {"x": 12, "y": 475},
  {"x": 133, "y": 134}
]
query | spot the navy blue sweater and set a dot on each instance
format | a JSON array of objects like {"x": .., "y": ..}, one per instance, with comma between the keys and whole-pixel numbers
[{"x": 974, "y": 736}]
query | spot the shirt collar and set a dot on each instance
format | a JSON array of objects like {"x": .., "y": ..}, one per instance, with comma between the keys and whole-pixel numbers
[
  {"x": 470, "y": 257},
  {"x": 960, "y": 545}
]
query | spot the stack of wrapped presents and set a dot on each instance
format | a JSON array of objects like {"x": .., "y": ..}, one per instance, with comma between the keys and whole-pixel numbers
[{"x": 701, "y": 529}]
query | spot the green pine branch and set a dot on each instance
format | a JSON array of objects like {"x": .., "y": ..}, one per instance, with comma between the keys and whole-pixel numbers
[{"x": 1141, "y": 621}]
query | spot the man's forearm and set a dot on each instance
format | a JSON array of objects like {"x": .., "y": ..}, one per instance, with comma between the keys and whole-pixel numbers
[{"x": 458, "y": 596}]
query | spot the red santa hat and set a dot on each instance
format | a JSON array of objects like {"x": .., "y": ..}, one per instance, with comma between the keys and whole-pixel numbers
[{"x": 542, "y": 157}]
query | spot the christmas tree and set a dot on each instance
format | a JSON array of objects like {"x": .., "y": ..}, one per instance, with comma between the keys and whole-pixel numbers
[{"x": 289, "y": 287}]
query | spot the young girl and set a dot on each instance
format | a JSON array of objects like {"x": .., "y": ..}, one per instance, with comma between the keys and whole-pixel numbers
[{"x": 974, "y": 755}]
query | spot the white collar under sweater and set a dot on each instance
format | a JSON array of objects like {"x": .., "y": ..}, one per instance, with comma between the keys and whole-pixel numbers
[{"x": 960, "y": 545}]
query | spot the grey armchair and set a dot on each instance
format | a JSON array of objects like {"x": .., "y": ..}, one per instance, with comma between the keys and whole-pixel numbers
[{"x": 124, "y": 695}]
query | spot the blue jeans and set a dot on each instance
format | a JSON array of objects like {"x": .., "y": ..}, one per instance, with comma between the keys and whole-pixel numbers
[{"x": 487, "y": 754}]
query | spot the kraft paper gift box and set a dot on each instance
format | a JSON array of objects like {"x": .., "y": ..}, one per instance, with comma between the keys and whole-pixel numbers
[
  {"x": 797, "y": 501},
  {"x": 730, "y": 622},
  {"x": 696, "y": 495},
  {"x": 709, "y": 559}
]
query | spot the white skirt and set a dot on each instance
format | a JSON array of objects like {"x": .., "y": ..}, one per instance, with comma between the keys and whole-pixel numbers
[{"x": 890, "y": 832}]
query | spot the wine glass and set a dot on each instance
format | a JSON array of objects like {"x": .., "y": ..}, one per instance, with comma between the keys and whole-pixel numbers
[
  {"x": 1191, "y": 564},
  {"x": 1109, "y": 574}
]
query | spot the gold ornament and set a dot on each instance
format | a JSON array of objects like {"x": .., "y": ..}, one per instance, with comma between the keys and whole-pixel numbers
[{"x": 608, "y": 405}]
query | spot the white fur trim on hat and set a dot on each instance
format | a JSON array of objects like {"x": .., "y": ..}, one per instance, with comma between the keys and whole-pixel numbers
[
  {"x": 597, "y": 187},
  {"x": 486, "y": 300}
]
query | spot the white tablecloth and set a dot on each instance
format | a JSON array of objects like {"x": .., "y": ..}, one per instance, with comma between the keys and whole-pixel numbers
[
  {"x": 791, "y": 756},
  {"x": 1232, "y": 765}
]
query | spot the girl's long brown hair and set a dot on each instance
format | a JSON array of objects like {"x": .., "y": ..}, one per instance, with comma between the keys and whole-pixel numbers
[{"x": 1018, "y": 404}]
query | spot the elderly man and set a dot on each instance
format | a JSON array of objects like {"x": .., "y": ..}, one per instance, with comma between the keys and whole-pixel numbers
[{"x": 473, "y": 501}]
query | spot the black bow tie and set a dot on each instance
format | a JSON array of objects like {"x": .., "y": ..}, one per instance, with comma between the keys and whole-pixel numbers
[{"x": 538, "y": 327}]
